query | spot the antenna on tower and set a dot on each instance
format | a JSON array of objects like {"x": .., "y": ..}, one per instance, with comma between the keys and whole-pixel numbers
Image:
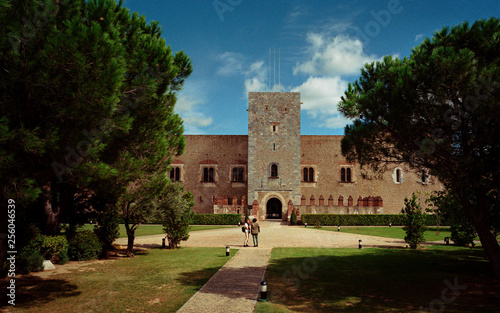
[
  {"x": 274, "y": 79},
  {"x": 274, "y": 69},
  {"x": 269, "y": 69}
]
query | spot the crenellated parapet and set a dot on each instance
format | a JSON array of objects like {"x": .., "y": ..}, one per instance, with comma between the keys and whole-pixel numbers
[
  {"x": 223, "y": 204},
  {"x": 342, "y": 205}
]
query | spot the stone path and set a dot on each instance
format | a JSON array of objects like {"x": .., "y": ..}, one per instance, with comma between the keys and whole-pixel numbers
[{"x": 235, "y": 287}]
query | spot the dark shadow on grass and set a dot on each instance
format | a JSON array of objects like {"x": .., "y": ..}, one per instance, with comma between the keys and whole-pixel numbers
[
  {"x": 376, "y": 280},
  {"x": 32, "y": 291}
]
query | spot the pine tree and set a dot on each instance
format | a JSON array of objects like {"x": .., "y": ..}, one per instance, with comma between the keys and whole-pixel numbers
[
  {"x": 438, "y": 109},
  {"x": 88, "y": 91}
]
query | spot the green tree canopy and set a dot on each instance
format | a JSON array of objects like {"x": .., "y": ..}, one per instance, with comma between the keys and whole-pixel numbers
[
  {"x": 437, "y": 109},
  {"x": 87, "y": 97}
]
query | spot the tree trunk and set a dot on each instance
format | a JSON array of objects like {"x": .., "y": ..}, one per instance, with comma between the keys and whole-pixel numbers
[
  {"x": 130, "y": 232},
  {"x": 51, "y": 208},
  {"x": 480, "y": 220},
  {"x": 171, "y": 244},
  {"x": 130, "y": 242}
]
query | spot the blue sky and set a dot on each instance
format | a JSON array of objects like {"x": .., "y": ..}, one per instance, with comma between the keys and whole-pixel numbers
[{"x": 322, "y": 46}]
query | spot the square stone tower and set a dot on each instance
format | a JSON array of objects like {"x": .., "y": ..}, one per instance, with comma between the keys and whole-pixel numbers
[{"x": 273, "y": 152}]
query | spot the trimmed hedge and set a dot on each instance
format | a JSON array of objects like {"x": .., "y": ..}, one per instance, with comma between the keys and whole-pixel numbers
[
  {"x": 360, "y": 219},
  {"x": 216, "y": 219}
]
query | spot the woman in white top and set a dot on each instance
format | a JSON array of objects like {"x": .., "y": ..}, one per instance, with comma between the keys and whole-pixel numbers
[{"x": 247, "y": 232}]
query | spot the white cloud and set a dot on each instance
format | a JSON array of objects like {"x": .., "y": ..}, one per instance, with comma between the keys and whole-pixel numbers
[
  {"x": 188, "y": 107},
  {"x": 254, "y": 84},
  {"x": 255, "y": 77},
  {"x": 232, "y": 63},
  {"x": 333, "y": 56},
  {"x": 419, "y": 37},
  {"x": 320, "y": 96}
]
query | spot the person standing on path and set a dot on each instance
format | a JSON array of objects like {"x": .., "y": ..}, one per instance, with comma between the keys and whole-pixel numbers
[
  {"x": 255, "y": 228},
  {"x": 247, "y": 232}
]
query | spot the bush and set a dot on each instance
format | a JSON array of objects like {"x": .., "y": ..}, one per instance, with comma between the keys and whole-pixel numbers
[
  {"x": 216, "y": 219},
  {"x": 84, "y": 246},
  {"x": 293, "y": 218},
  {"x": 63, "y": 256},
  {"x": 463, "y": 234},
  {"x": 29, "y": 260},
  {"x": 448, "y": 207},
  {"x": 176, "y": 214},
  {"x": 52, "y": 246},
  {"x": 414, "y": 222},
  {"x": 108, "y": 227},
  {"x": 360, "y": 219},
  {"x": 40, "y": 248}
]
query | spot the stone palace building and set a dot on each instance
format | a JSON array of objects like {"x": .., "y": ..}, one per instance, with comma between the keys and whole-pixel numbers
[{"x": 275, "y": 170}]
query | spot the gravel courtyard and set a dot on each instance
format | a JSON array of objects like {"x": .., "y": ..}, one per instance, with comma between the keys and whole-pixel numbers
[{"x": 273, "y": 234}]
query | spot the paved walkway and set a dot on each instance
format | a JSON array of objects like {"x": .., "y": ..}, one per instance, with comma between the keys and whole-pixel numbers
[{"x": 235, "y": 287}]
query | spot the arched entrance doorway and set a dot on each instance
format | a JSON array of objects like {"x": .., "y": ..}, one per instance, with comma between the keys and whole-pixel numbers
[{"x": 273, "y": 209}]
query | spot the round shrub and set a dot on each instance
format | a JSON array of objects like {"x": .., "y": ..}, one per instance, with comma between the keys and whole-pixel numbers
[
  {"x": 29, "y": 260},
  {"x": 52, "y": 246},
  {"x": 84, "y": 246}
]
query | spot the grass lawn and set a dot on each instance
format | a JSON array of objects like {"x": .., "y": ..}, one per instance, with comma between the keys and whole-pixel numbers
[
  {"x": 380, "y": 280},
  {"x": 155, "y": 281},
  {"x": 391, "y": 232},
  {"x": 157, "y": 229}
]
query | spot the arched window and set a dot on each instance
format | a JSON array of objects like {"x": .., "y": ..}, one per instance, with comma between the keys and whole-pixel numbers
[
  {"x": 346, "y": 175},
  {"x": 311, "y": 174},
  {"x": 306, "y": 174},
  {"x": 208, "y": 174},
  {"x": 274, "y": 170},
  {"x": 398, "y": 175},
  {"x": 175, "y": 174}
]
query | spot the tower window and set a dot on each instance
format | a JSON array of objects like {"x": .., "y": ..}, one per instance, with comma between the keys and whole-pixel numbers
[
  {"x": 274, "y": 128},
  {"x": 398, "y": 176},
  {"x": 274, "y": 170}
]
